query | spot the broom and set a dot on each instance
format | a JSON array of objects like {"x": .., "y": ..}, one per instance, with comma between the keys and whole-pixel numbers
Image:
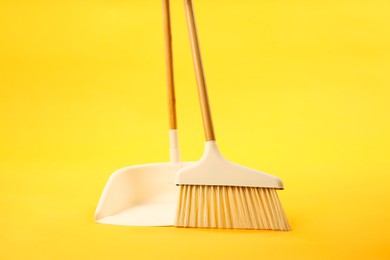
[{"x": 215, "y": 193}]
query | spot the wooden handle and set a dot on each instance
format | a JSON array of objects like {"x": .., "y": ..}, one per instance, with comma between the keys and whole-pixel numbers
[
  {"x": 200, "y": 79},
  {"x": 169, "y": 65}
]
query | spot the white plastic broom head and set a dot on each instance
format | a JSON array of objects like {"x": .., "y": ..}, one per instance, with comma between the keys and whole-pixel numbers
[{"x": 214, "y": 170}]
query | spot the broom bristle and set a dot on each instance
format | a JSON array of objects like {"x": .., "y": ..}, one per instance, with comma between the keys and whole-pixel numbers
[{"x": 230, "y": 207}]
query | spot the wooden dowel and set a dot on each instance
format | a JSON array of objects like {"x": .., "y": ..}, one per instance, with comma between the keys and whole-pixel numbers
[
  {"x": 169, "y": 65},
  {"x": 200, "y": 79}
]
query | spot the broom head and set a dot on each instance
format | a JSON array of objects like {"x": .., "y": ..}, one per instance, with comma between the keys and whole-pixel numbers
[{"x": 215, "y": 193}]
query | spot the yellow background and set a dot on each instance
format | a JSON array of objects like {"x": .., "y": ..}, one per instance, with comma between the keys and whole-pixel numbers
[{"x": 300, "y": 89}]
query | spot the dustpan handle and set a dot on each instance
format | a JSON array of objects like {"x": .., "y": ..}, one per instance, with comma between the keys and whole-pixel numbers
[
  {"x": 173, "y": 138},
  {"x": 200, "y": 79},
  {"x": 169, "y": 65}
]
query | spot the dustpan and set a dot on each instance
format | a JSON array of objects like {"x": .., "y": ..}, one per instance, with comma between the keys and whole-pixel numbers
[
  {"x": 146, "y": 195},
  {"x": 143, "y": 195}
]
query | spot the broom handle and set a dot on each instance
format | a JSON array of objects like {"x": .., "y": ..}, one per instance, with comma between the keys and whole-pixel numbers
[
  {"x": 200, "y": 79},
  {"x": 169, "y": 65},
  {"x": 173, "y": 138}
]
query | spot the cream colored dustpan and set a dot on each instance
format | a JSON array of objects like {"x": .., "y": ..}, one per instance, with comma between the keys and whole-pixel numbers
[
  {"x": 146, "y": 195},
  {"x": 142, "y": 195}
]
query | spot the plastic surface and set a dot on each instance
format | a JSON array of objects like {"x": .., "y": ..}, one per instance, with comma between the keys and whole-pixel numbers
[
  {"x": 174, "y": 147},
  {"x": 214, "y": 169},
  {"x": 143, "y": 195}
]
